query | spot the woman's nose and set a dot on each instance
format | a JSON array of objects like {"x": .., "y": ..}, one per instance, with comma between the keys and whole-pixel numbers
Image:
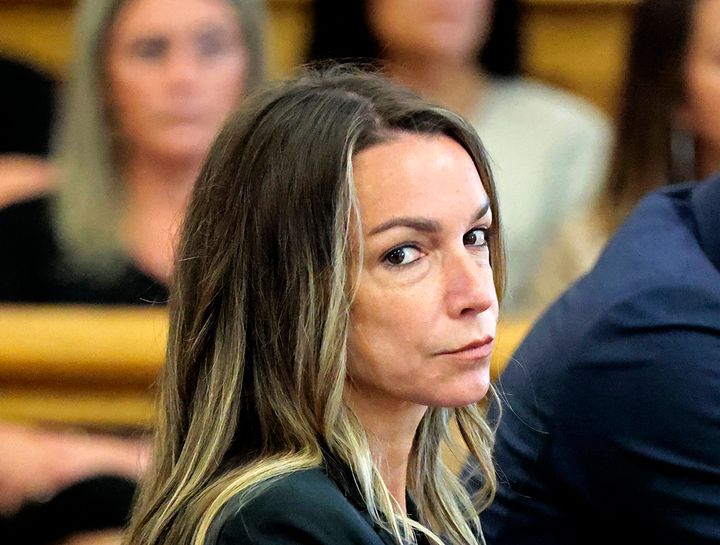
[
  {"x": 182, "y": 67},
  {"x": 470, "y": 288}
]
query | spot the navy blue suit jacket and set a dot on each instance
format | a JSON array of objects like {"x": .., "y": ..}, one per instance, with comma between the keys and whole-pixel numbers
[{"x": 610, "y": 431}]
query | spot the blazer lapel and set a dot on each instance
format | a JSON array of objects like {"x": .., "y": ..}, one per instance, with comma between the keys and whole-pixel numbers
[{"x": 343, "y": 477}]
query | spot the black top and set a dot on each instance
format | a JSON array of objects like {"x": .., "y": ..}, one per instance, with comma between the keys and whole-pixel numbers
[
  {"x": 32, "y": 269},
  {"x": 100, "y": 502},
  {"x": 27, "y": 106},
  {"x": 611, "y": 427},
  {"x": 320, "y": 506}
]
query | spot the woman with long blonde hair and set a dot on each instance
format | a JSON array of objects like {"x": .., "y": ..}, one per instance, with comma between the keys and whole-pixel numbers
[
  {"x": 333, "y": 311},
  {"x": 150, "y": 84}
]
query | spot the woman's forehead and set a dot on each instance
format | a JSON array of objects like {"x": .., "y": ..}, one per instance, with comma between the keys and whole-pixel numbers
[{"x": 416, "y": 175}]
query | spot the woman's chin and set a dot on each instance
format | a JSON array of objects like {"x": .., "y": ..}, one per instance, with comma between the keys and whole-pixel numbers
[
  {"x": 469, "y": 392},
  {"x": 180, "y": 145}
]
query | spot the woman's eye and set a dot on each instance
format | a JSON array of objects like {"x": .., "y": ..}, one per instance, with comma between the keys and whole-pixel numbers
[
  {"x": 150, "y": 48},
  {"x": 209, "y": 45},
  {"x": 476, "y": 237},
  {"x": 404, "y": 255}
]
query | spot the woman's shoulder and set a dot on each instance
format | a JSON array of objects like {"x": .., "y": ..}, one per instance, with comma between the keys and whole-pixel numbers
[
  {"x": 300, "y": 507},
  {"x": 29, "y": 249},
  {"x": 539, "y": 102}
]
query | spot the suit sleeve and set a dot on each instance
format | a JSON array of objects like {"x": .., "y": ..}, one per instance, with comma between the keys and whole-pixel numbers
[
  {"x": 621, "y": 430},
  {"x": 638, "y": 423}
]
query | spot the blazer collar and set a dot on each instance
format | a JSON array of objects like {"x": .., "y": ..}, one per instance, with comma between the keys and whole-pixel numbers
[
  {"x": 343, "y": 477},
  {"x": 706, "y": 207}
]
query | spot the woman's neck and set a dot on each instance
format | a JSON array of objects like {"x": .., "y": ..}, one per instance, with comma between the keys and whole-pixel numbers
[
  {"x": 157, "y": 192},
  {"x": 391, "y": 429},
  {"x": 458, "y": 86}
]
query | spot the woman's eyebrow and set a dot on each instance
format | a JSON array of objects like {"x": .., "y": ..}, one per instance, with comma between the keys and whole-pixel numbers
[
  {"x": 419, "y": 224},
  {"x": 480, "y": 214},
  {"x": 424, "y": 225},
  {"x": 211, "y": 29}
]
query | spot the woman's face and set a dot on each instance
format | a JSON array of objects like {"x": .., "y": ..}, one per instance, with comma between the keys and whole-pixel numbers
[
  {"x": 175, "y": 69},
  {"x": 701, "y": 112},
  {"x": 424, "y": 317},
  {"x": 450, "y": 30}
]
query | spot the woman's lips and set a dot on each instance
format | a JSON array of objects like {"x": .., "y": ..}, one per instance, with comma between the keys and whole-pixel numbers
[{"x": 477, "y": 349}]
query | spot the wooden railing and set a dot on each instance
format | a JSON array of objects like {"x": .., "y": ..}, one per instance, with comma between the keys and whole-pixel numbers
[
  {"x": 84, "y": 365},
  {"x": 579, "y": 45},
  {"x": 96, "y": 366}
]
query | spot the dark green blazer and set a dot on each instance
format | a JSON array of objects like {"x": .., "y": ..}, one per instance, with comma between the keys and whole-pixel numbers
[{"x": 320, "y": 506}]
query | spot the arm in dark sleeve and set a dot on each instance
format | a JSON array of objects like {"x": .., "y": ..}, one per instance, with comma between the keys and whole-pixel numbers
[
  {"x": 28, "y": 251},
  {"x": 619, "y": 429},
  {"x": 638, "y": 423}
]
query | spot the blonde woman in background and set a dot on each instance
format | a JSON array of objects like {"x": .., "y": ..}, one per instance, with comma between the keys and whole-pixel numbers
[
  {"x": 332, "y": 314},
  {"x": 150, "y": 84}
]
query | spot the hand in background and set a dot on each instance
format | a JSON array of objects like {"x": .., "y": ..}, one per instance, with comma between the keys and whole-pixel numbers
[
  {"x": 36, "y": 463},
  {"x": 24, "y": 176}
]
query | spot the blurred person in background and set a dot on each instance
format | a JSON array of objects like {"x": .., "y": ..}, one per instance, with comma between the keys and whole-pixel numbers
[
  {"x": 150, "y": 84},
  {"x": 549, "y": 148},
  {"x": 667, "y": 130},
  {"x": 611, "y": 424}
]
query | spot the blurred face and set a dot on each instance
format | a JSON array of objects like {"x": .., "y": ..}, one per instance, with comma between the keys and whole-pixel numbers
[
  {"x": 701, "y": 113},
  {"x": 175, "y": 69},
  {"x": 423, "y": 322},
  {"x": 440, "y": 29}
]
